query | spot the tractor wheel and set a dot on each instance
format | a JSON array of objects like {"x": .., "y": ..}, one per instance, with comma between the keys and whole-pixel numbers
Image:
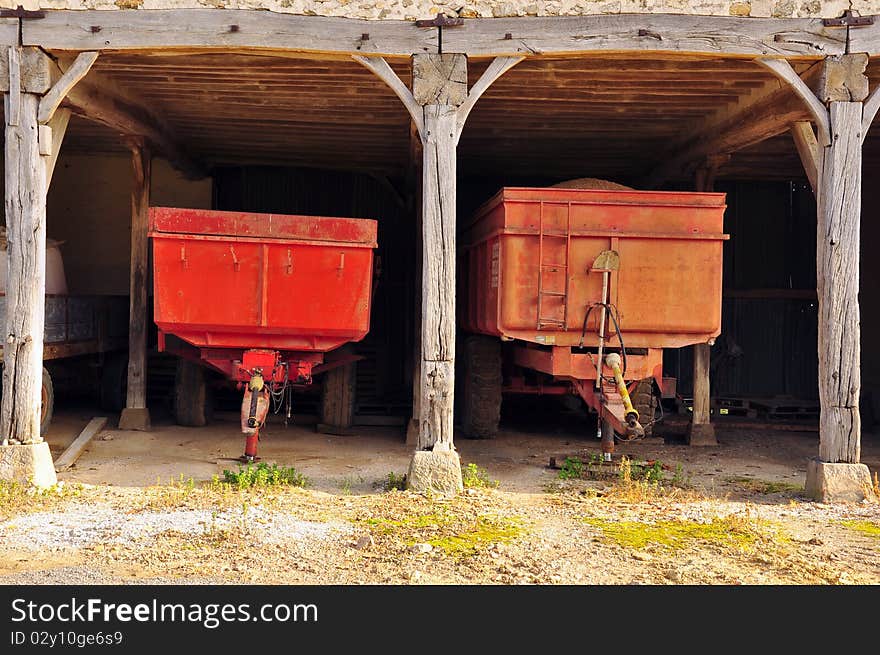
[
  {"x": 338, "y": 395},
  {"x": 47, "y": 407},
  {"x": 114, "y": 382},
  {"x": 645, "y": 402},
  {"x": 480, "y": 386},
  {"x": 192, "y": 395}
]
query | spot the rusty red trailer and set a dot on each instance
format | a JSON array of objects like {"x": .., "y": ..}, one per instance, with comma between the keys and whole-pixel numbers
[
  {"x": 260, "y": 297},
  {"x": 566, "y": 274}
]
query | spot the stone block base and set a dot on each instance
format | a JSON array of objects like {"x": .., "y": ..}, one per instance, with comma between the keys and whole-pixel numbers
[
  {"x": 836, "y": 483},
  {"x": 135, "y": 418},
  {"x": 435, "y": 471},
  {"x": 701, "y": 434},
  {"x": 28, "y": 464}
]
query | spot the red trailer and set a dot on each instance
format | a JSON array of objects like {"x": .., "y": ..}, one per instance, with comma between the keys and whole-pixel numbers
[
  {"x": 588, "y": 286},
  {"x": 260, "y": 297}
]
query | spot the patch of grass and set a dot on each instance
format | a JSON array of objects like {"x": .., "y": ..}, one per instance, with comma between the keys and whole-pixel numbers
[
  {"x": 486, "y": 531},
  {"x": 868, "y": 528},
  {"x": 263, "y": 475},
  {"x": 476, "y": 477},
  {"x": 572, "y": 469},
  {"x": 729, "y": 531},
  {"x": 765, "y": 487},
  {"x": 17, "y": 498},
  {"x": 393, "y": 482}
]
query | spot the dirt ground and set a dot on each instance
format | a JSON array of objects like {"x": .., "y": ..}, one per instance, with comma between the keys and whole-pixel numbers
[{"x": 142, "y": 508}]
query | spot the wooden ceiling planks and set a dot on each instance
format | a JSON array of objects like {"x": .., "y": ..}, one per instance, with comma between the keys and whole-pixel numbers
[{"x": 609, "y": 115}]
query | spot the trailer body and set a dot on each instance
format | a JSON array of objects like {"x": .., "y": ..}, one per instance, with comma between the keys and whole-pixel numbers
[{"x": 529, "y": 275}]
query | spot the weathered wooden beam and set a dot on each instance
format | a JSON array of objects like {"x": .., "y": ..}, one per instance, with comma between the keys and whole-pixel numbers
[
  {"x": 808, "y": 150},
  {"x": 57, "y": 128},
  {"x": 68, "y": 457},
  {"x": 498, "y": 67},
  {"x": 385, "y": 73},
  {"x": 837, "y": 278},
  {"x": 783, "y": 70},
  {"x": 78, "y": 70},
  {"x": 701, "y": 431},
  {"x": 98, "y": 99},
  {"x": 136, "y": 415},
  {"x": 247, "y": 30},
  {"x": 872, "y": 104},
  {"x": 766, "y": 112},
  {"x": 26, "y": 254}
]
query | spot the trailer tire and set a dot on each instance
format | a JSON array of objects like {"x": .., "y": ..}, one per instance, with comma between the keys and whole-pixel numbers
[
  {"x": 480, "y": 387},
  {"x": 114, "y": 382},
  {"x": 47, "y": 406},
  {"x": 645, "y": 402},
  {"x": 338, "y": 395},
  {"x": 192, "y": 395}
]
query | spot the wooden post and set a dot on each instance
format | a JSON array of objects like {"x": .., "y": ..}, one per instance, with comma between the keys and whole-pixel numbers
[
  {"x": 837, "y": 103},
  {"x": 26, "y": 254},
  {"x": 837, "y": 280},
  {"x": 34, "y": 129},
  {"x": 136, "y": 415},
  {"x": 701, "y": 431},
  {"x": 414, "y": 185},
  {"x": 439, "y": 105}
]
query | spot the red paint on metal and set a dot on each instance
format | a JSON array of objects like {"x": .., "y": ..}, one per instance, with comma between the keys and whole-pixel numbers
[{"x": 241, "y": 280}]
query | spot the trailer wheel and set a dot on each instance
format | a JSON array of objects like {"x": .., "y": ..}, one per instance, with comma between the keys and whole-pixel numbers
[
  {"x": 192, "y": 395},
  {"x": 338, "y": 395},
  {"x": 645, "y": 402},
  {"x": 47, "y": 406},
  {"x": 480, "y": 387},
  {"x": 114, "y": 382}
]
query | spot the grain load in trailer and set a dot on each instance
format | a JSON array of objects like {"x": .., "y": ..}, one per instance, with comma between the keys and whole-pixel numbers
[
  {"x": 259, "y": 297},
  {"x": 589, "y": 286}
]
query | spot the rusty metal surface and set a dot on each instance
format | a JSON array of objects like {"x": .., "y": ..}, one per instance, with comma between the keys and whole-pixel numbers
[{"x": 667, "y": 290}]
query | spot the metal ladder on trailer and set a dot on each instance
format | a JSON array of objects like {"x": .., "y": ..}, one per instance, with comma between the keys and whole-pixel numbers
[{"x": 547, "y": 321}]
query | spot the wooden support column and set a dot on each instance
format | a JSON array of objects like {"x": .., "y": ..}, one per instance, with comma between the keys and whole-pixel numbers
[
  {"x": 26, "y": 253},
  {"x": 701, "y": 431},
  {"x": 837, "y": 103},
  {"x": 439, "y": 104},
  {"x": 34, "y": 129},
  {"x": 136, "y": 415}
]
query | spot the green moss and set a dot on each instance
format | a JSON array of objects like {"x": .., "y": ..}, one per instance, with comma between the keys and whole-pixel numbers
[
  {"x": 486, "y": 531},
  {"x": 388, "y": 526},
  {"x": 729, "y": 531},
  {"x": 868, "y": 528},
  {"x": 764, "y": 486}
]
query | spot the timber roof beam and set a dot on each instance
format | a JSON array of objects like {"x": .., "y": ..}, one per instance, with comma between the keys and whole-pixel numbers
[
  {"x": 98, "y": 99},
  {"x": 768, "y": 111},
  {"x": 190, "y": 30}
]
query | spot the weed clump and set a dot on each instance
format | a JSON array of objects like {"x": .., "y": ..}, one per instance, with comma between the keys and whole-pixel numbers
[
  {"x": 393, "y": 482},
  {"x": 263, "y": 475},
  {"x": 476, "y": 477}
]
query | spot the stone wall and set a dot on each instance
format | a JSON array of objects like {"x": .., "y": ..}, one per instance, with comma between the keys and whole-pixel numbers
[{"x": 416, "y": 9}]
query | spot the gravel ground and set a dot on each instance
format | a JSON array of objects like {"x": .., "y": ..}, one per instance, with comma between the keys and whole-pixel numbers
[{"x": 671, "y": 535}]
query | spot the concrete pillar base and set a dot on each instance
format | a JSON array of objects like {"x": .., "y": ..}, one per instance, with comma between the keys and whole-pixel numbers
[
  {"x": 435, "y": 471},
  {"x": 135, "y": 418},
  {"x": 28, "y": 464},
  {"x": 701, "y": 434},
  {"x": 836, "y": 483}
]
